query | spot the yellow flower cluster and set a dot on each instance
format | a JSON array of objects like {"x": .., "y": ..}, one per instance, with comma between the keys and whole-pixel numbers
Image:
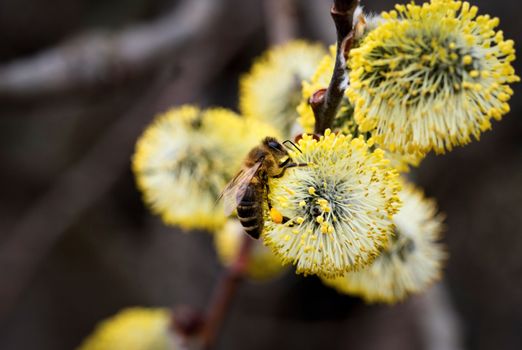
[
  {"x": 134, "y": 328},
  {"x": 339, "y": 207},
  {"x": 344, "y": 120},
  {"x": 431, "y": 76},
  {"x": 263, "y": 264},
  {"x": 185, "y": 158},
  {"x": 411, "y": 262},
  {"x": 271, "y": 91}
]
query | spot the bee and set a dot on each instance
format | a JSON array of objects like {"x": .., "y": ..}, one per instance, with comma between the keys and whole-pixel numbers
[{"x": 247, "y": 190}]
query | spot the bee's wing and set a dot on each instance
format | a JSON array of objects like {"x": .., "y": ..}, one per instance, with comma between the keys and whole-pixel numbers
[{"x": 235, "y": 190}]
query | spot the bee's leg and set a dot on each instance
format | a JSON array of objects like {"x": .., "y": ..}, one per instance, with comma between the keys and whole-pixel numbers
[
  {"x": 266, "y": 194},
  {"x": 264, "y": 178},
  {"x": 293, "y": 165},
  {"x": 289, "y": 165}
]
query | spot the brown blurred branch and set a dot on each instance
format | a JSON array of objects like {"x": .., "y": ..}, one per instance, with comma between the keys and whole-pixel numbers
[
  {"x": 89, "y": 179},
  {"x": 225, "y": 292},
  {"x": 325, "y": 103},
  {"x": 96, "y": 58},
  {"x": 280, "y": 20},
  {"x": 438, "y": 320}
]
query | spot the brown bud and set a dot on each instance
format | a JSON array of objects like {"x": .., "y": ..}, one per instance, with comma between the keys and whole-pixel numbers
[
  {"x": 317, "y": 98},
  {"x": 187, "y": 320},
  {"x": 300, "y": 136}
]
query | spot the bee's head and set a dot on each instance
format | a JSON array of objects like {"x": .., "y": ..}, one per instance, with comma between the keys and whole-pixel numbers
[{"x": 275, "y": 147}]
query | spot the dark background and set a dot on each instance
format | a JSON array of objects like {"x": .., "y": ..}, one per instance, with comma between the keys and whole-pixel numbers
[{"x": 77, "y": 244}]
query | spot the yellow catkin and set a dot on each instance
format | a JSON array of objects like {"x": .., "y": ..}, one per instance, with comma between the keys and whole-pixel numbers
[
  {"x": 412, "y": 261},
  {"x": 339, "y": 209},
  {"x": 135, "y": 328},
  {"x": 186, "y": 156},
  {"x": 430, "y": 77},
  {"x": 271, "y": 91}
]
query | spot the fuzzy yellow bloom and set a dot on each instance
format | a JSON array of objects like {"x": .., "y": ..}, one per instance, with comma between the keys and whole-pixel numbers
[
  {"x": 431, "y": 76},
  {"x": 339, "y": 207},
  {"x": 186, "y": 157},
  {"x": 271, "y": 90},
  {"x": 263, "y": 264},
  {"x": 344, "y": 120},
  {"x": 134, "y": 328},
  {"x": 411, "y": 262}
]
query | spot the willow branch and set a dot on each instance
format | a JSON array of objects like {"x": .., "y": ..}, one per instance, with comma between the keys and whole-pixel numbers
[
  {"x": 95, "y": 59},
  {"x": 225, "y": 293},
  {"x": 325, "y": 103}
]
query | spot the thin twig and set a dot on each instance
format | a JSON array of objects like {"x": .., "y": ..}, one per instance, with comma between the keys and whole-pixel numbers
[
  {"x": 98, "y": 58},
  {"x": 325, "y": 103},
  {"x": 281, "y": 20},
  {"x": 225, "y": 292}
]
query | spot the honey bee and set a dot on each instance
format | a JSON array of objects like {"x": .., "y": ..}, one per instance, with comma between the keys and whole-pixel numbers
[{"x": 249, "y": 187}]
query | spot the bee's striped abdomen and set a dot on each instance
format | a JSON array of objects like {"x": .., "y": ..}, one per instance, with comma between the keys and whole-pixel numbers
[{"x": 250, "y": 212}]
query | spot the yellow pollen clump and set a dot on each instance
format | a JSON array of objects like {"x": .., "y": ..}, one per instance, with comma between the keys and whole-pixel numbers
[
  {"x": 276, "y": 216},
  {"x": 323, "y": 203}
]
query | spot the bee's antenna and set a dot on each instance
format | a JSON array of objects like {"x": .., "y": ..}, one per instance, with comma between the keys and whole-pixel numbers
[{"x": 293, "y": 144}]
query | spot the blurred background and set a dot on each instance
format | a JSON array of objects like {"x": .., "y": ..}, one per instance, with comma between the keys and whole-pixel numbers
[{"x": 80, "y": 79}]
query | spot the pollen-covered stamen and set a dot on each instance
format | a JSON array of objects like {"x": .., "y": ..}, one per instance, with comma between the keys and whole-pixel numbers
[
  {"x": 339, "y": 207},
  {"x": 441, "y": 70}
]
